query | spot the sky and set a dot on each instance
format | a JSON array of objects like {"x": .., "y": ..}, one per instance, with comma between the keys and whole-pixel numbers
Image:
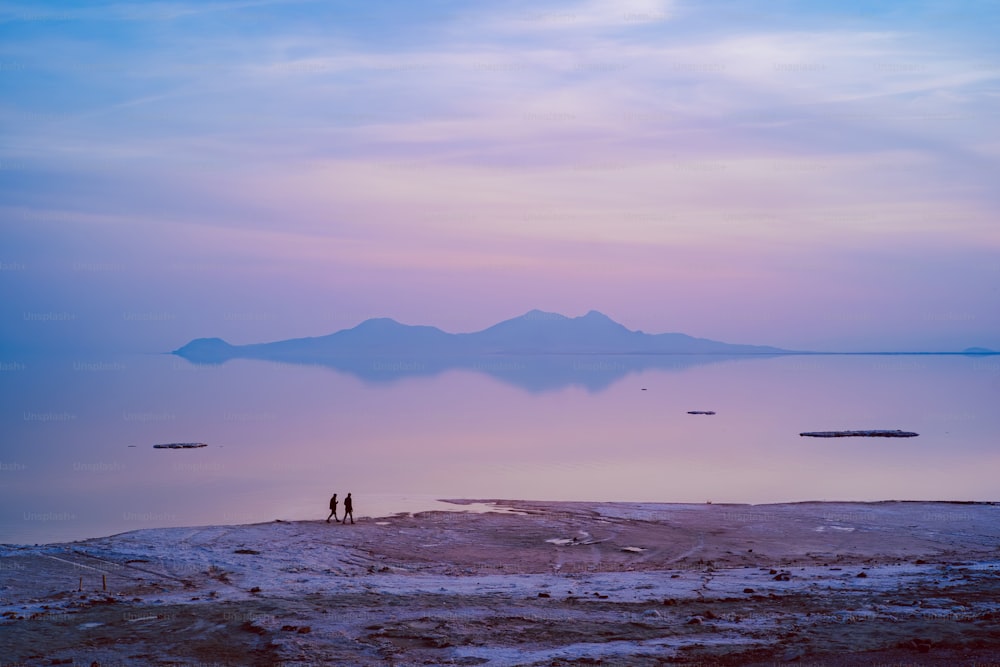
[{"x": 811, "y": 175}]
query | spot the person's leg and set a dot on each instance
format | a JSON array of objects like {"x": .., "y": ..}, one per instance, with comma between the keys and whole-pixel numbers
[{"x": 328, "y": 517}]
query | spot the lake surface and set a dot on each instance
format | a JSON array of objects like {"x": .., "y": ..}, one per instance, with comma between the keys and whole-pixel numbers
[{"x": 76, "y": 435}]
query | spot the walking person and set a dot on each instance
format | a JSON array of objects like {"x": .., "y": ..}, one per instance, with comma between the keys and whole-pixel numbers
[
  {"x": 348, "y": 508},
  {"x": 333, "y": 509}
]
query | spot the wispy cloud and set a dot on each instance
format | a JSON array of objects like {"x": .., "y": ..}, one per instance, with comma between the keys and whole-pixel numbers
[
  {"x": 586, "y": 16},
  {"x": 527, "y": 133}
]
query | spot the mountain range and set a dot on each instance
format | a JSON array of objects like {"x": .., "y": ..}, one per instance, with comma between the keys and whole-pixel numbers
[
  {"x": 537, "y": 351},
  {"x": 535, "y": 332}
]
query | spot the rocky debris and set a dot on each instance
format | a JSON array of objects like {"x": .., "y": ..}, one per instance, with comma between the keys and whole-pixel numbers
[
  {"x": 299, "y": 629},
  {"x": 250, "y": 626},
  {"x": 860, "y": 434},
  {"x": 793, "y": 653},
  {"x": 586, "y": 540},
  {"x": 919, "y": 644}
]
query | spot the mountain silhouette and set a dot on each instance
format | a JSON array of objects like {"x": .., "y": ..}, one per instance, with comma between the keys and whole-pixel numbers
[
  {"x": 538, "y": 351},
  {"x": 535, "y": 332}
]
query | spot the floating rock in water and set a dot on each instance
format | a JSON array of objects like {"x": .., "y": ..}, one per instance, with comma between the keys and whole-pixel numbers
[
  {"x": 860, "y": 434},
  {"x": 701, "y": 412},
  {"x": 180, "y": 445}
]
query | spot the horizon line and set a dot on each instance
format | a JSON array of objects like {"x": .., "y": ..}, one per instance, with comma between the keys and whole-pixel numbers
[{"x": 971, "y": 350}]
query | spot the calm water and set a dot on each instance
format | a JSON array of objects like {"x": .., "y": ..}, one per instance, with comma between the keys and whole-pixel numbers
[{"x": 76, "y": 456}]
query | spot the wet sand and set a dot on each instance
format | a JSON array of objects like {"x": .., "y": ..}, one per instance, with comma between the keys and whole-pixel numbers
[{"x": 539, "y": 583}]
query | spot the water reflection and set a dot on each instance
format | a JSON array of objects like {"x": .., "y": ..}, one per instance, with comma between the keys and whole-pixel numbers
[
  {"x": 532, "y": 373},
  {"x": 77, "y": 434}
]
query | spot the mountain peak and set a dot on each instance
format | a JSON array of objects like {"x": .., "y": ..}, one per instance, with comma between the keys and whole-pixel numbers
[
  {"x": 206, "y": 350},
  {"x": 205, "y": 344},
  {"x": 536, "y": 314},
  {"x": 379, "y": 323}
]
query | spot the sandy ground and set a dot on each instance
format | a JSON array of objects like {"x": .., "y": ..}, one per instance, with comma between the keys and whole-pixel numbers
[{"x": 539, "y": 583}]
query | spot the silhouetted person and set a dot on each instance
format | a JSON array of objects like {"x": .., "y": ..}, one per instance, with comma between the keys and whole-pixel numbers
[
  {"x": 333, "y": 509},
  {"x": 348, "y": 509}
]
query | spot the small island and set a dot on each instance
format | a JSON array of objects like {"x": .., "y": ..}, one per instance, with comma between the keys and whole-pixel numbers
[
  {"x": 180, "y": 445},
  {"x": 860, "y": 434}
]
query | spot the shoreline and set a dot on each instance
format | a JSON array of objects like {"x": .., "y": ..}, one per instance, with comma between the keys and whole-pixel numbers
[
  {"x": 538, "y": 583},
  {"x": 430, "y": 504}
]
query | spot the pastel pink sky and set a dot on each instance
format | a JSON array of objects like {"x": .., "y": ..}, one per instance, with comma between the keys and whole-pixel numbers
[{"x": 820, "y": 178}]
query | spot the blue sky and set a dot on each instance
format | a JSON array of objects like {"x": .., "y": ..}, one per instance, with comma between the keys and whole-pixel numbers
[{"x": 804, "y": 174}]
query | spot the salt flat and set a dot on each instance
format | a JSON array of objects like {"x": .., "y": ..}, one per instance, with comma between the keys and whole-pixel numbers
[{"x": 534, "y": 583}]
